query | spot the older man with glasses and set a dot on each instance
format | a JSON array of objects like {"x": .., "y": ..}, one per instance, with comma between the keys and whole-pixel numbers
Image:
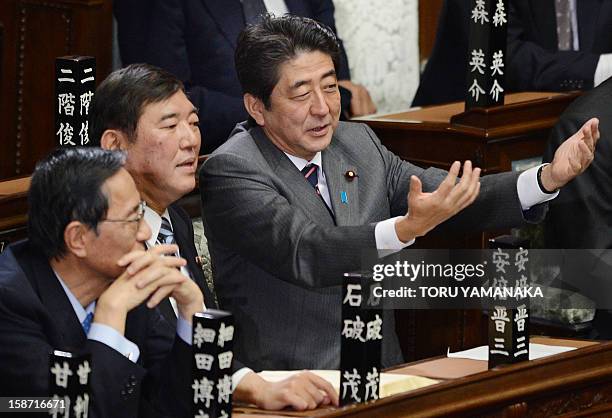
[{"x": 84, "y": 282}]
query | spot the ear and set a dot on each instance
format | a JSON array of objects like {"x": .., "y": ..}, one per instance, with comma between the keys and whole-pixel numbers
[
  {"x": 75, "y": 238},
  {"x": 254, "y": 107},
  {"x": 113, "y": 139}
]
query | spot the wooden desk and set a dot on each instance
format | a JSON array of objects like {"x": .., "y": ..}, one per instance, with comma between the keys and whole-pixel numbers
[
  {"x": 492, "y": 138},
  {"x": 13, "y": 210},
  {"x": 576, "y": 382}
]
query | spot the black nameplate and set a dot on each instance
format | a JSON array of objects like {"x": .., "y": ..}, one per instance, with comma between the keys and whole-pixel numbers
[
  {"x": 75, "y": 83},
  {"x": 213, "y": 343},
  {"x": 69, "y": 388},
  {"x": 487, "y": 53},
  {"x": 361, "y": 343},
  {"x": 509, "y": 327}
]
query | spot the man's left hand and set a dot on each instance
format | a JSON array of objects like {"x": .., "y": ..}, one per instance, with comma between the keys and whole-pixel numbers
[
  {"x": 361, "y": 102},
  {"x": 573, "y": 157}
]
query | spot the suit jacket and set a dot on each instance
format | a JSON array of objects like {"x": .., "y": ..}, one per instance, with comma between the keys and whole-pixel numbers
[
  {"x": 279, "y": 257},
  {"x": 195, "y": 40},
  {"x": 36, "y": 317},
  {"x": 183, "y": 235},
  {"x": 580, "y": 217},
  {"x": 533, "y": 61}
]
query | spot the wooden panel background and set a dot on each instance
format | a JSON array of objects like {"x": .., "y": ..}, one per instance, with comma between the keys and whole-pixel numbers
[
  {"x": 33, "y": 33},
  {"x": 429, "y": 11}
]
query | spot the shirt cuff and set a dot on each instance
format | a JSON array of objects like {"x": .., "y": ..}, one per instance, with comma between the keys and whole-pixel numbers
[
  {"x": 529, "y": 192},
  {"x": 238, "y": 376},
  {"x": 109, "y": 336},
  {"x": 386, "y": 237},
  {"x": 603, "y": 70},
  {"x": 183, "y": 329}
]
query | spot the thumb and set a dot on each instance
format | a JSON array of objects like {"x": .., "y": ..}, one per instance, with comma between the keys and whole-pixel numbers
[{"x": 416, "y": 187}]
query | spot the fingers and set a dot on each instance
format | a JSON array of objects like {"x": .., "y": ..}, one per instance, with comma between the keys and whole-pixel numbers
[
  {"x": 416, "y": 187},
  {"x": 160, "y": 294},
  {"x": 449, "y": 182},
  {"x": 168, "y": 249},
  {"x": 464, "y": 192},
  {"x": 590, "y": 133},
  {"x": 323, "y": 387}
]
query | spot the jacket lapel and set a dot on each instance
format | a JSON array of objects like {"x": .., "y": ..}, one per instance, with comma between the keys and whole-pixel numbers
[
  {"x": 184, "y": 239},
  {"x": 313, "y": 205},
  {"x": 228, "y": 16},
  {"x": 343, "y": 189},
  {"x": 56, "y": 301}
]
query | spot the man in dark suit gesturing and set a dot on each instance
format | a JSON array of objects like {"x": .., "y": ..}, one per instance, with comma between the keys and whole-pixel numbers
[
  {"x": 291, "y": 200},
  {"x": 85, "y": 257},
  {"x": 143, "y": 110}
]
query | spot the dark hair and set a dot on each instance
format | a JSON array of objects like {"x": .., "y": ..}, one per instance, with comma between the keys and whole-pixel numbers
[
  {"x": 120, "y": 99},
  {"x": 67, "y": 186},
  {"x": 262, "y": 48}
]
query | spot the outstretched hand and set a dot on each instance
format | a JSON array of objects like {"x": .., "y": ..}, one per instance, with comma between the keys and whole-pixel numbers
[
  {"x": 573, "y": 157},
  {"x": 428, "y": 210}
]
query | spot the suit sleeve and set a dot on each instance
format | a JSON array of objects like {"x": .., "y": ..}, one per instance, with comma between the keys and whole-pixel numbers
[
  {"x": 168, "y": 48},
  {"x": 532, "y": 67},
  {"x": 244, "y": 212}
]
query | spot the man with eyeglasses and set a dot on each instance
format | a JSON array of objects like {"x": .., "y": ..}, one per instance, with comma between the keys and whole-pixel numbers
[
  {"x": 143, "y": 110},
  {"x": 84, "y": 282}
]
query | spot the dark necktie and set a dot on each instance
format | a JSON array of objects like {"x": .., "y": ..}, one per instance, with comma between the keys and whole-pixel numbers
[
  {"x": 253, "y": 9},
  {"x": 87, "y": 322},
  {"x": 310, "y": 174},
  {"x": 166, "y": 234},
  {"x": 564, "y": 25}
]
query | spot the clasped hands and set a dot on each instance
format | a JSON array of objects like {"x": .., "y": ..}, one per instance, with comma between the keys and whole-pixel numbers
[
  {"x": 149, "y": 276},
  {"x": 428, "y": 210}
]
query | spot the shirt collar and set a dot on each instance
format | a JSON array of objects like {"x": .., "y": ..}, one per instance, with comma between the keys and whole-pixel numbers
[
  {"x": 300, "y": 163},
  {"x": 153, "y": 219},
  {"x": 80, "y": 312}
]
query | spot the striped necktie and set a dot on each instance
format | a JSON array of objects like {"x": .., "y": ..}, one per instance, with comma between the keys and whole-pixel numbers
[
  {"x": 166, "y": 235},
  {"x": 310, "y": 174}
]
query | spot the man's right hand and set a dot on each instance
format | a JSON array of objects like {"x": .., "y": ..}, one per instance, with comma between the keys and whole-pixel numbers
[
  {"x": 149, "y": 275},
  {"x": 301, "y": 391},
  {"x": 428, "y": 210}
]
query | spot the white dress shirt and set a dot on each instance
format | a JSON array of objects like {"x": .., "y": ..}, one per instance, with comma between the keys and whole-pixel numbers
[{"x": 384, "y": 232}]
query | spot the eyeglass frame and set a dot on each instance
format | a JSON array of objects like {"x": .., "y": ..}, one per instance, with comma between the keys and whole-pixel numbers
[{"x": 139, "y": 216}]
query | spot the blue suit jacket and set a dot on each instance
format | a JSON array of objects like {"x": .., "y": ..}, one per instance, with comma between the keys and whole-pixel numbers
[{"x": 195, "y": 40}]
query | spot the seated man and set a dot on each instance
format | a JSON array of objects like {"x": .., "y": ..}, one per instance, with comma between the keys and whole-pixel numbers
[
  {"x": 85, "y": 257},
  {"x": 290, "y": 202},
  {"x": 158, "y": 128},
  {"x": 580, "y": 217},
  {"x": 196, "y": 40}
]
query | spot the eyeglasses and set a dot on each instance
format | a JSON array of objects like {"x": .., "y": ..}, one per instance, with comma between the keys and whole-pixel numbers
[{"x": 139, "y": 214}]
